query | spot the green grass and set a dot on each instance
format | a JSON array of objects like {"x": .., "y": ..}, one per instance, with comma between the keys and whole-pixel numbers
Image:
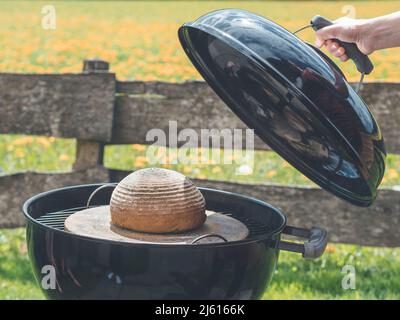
[
  {"x": 377, "y": 273},
  {"x": 16, "y": 278}
]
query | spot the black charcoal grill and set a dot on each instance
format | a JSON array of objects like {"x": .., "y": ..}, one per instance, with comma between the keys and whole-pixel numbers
[{"x": 89, "y": 268}]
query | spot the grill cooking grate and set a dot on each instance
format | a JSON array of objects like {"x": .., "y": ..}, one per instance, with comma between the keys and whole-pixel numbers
[{"x": 55, "y": 220}]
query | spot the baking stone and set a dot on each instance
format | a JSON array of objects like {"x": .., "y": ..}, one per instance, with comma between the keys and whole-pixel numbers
[{"x": 95, "y": 223}]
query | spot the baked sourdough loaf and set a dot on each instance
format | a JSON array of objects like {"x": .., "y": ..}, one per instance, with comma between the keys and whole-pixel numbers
[{"x": 156, "y": 200}]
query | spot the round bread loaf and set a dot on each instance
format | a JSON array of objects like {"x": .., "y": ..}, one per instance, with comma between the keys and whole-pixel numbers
[{"x": 157, "y": 200}]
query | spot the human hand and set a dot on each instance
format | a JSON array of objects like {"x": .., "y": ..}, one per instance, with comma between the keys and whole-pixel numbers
[{"x": 346, "y": 30}]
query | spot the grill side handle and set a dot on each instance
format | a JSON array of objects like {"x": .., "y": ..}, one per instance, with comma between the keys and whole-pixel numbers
[
  {"x": 312, "y": 248},
  {"x": 104, "y": 186}
]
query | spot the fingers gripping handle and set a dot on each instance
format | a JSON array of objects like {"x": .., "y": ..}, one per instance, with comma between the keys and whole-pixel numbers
[{"x": 362, "y": 61}]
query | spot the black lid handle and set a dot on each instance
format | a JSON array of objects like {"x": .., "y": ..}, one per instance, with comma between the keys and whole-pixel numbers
[{"x": 362, "y": 61}]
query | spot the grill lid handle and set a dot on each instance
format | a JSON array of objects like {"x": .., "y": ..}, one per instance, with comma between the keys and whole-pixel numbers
[
  {"x": 362, "y": 61},
  {"x": 312, "y": 248}
]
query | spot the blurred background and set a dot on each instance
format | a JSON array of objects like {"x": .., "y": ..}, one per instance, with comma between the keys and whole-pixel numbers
[{"x": 139, "y": 40}]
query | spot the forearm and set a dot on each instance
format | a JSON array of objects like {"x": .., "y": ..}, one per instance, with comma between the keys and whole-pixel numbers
[{"x": 382, "y": 32}]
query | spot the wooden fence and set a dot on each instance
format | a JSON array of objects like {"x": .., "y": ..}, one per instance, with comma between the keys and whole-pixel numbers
[{"x": 97, "y": 110}]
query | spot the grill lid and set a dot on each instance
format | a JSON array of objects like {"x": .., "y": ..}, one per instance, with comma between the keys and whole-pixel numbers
[{"x": 293, "y": 96}]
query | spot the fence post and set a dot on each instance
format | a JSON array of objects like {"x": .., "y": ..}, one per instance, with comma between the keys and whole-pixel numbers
[{"x": 90, "y": 153}]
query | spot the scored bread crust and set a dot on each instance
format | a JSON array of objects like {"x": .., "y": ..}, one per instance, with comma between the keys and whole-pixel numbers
[{"x": 156, "y": 200}]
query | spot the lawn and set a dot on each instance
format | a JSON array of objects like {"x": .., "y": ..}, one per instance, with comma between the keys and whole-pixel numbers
[
  {"x": 139, "y": 40},
  {"x": 377, "y": 273}
]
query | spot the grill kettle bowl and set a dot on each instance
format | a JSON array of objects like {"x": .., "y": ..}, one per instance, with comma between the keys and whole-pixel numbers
[{"x": 88, "y": 268}]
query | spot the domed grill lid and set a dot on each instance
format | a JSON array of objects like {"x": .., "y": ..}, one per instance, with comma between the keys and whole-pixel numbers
[{"x": 293, "y": 96}]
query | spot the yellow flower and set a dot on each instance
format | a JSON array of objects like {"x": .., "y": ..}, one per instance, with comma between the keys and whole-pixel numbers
[
  {"x": 392, "y": 173},
  {"x": 187, "y": 169},
  {"x": 22, "y": 141},
  {"x": 19, "y": 152},
  {"x": 202, "y": 176},
  {"x": 64, "y": 157},
  {"x": 271, "y": 173},
  {"x": 330, "y": 248},
  {"x": 141, "y": 159},
  {"x": 138, "y": 147},
  {"x": 44, "y": 141},
  {"x": 216, "y": 170},
  {"x": 139, "y": 164}
]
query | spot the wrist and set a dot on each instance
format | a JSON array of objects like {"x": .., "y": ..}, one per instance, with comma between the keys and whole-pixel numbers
[
  {"x": 368, "y": 35},
  {"x": 380, "y": 33}
]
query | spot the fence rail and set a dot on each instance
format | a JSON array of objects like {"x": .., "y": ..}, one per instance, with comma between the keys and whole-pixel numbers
[{"x": 96, "y": 109}]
